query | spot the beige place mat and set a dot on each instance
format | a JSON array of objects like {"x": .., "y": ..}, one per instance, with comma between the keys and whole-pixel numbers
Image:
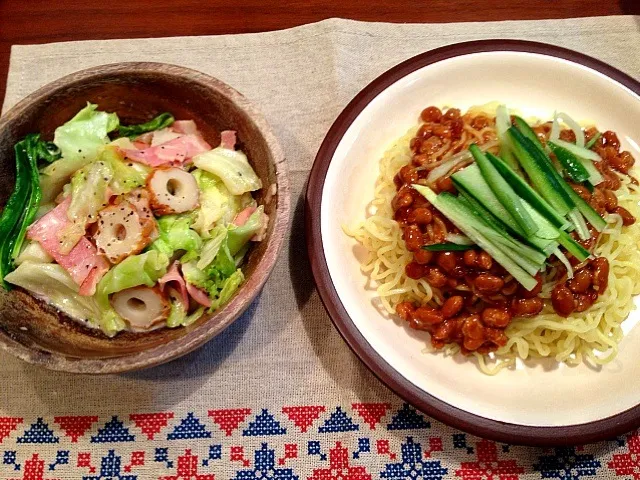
[{"x": 281, "y": 375}]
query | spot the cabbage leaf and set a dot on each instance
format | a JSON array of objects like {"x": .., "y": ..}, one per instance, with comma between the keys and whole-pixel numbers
[
  {"x": 175, "y": 234},
  {"x": 178, "y": 316},
  {"x": 52, "y": 282},
  {"x": 217, "y": 204},
  {"x": 240, "y": 236},
  {"x": 126, "y": 175},
  {"x": 33, "y": 252},
  {"x": 220, "y": 279},
  {"x": 232, "y": 167},
  {"x": 80, "y": 140},
  {"x": 228, "y": 288},
  {"x": 88, "y": 196},
  {"x": 211, "y": 247}
]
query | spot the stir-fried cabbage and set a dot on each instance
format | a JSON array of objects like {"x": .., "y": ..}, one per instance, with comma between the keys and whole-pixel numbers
[
  {"x": 80, "y": 140},
  {"x": 217, "y": 204},
  {"x": 176, "y": 234},
  {"x": 239, "y": 236},
  {"x": 211, "y": 247},
  {"x": 178, "y": 315},
  {"x": 33, "y": 252},
  {"x": 232, "y": 167},
  {"x": 52, "y": 282},
  {"x": 88, "y": 196},
  {"x": 126, "y": 175}
]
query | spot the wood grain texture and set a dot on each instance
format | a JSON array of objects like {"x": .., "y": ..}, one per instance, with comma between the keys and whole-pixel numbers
[
  {"x": 137, "y": 92},
  {"x": 42, "y": 21}
]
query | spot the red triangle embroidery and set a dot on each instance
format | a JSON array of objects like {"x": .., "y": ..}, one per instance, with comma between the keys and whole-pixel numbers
[
  {"x": 371, "y": 413},
  {"x": 151, "y": 423},
  {"x": 229, "y": 419},
  {"x": 8, "y": 425},
  {"x": 75, "y": 427},
  {"x": 303, "y": 416}
]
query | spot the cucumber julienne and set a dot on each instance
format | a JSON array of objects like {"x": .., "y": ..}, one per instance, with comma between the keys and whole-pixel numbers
[{"x": 520, "y": 223}]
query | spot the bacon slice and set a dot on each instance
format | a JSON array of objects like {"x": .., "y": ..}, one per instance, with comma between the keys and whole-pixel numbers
[
  {"x": 198, "y": 295},
  {"x": 228, "y": 139},
  {"x": 90, "y": 283},
  {"x": 81, "y": 261},
  {"x": 243, "y": 216},
  {"x": 174, "y": 278},
  {"x": 174, "y": 152}
]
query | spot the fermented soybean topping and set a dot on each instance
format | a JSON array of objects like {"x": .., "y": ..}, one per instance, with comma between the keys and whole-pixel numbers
[{"x": 479, "y": 298}]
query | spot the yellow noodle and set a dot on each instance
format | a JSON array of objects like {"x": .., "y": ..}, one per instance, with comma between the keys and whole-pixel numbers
[{"x": 591, "y": 336}]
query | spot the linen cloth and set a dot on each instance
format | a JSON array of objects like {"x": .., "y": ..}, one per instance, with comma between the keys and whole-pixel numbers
[{"x": 278, "y": 395}]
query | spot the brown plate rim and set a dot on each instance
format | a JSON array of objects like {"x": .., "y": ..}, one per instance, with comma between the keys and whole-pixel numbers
[
  {"x": 602, "y": 429},
  {"x": 232, "y": 310}
]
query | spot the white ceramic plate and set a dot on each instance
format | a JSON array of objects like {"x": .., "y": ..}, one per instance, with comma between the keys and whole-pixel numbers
[{"x": 537, "y": 403}]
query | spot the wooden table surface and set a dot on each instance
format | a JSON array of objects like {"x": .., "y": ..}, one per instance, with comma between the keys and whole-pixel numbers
[{"x": 42, "y": 21}]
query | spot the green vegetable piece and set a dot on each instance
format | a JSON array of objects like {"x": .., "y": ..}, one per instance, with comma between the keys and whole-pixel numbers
[
  {"x": 527, "y": 256},
  {"x": 541, "y": 172},
  {"x": 580, "y": 152},
  {"x": 80, "y": 140},
  {"x": 581, "y": 226},
  {"x": 523, "y": 127},
  {"x": 569, "y": 162},
  {"x": 125, "y": 177},
  {"x": 22, "y": 205},
  {"x": 161, "y": 121},
  {"x": 229, "y": 287},
  {"x": 232, "y": 167},
  {"x": 194, "y": 275},
  {"x": 175, "y": 234},
  {"x": 178, "y": 315},
  {"x": 587, "y": 210},
  {"x": 88, "y": 196},
  {"x": 217, "y": 204},
  {"x": 47, "y": 151},
  {"x": 240, "y": 236},
  {"x": 503, "y": 191},
  {"x": 459, "y": 216},
  {"x": 593, "y": 141},
  {"x": 447, "y": 247},
  {"x": 471, "y": 182},
  {"x": 573, "y": 247},
  {"x": 503, "y": 123},
  {"x": 211, "y": 247},
  {"x": 589, "y": 186},
  {"x": 54, "y": 282},
  {"x": 527, "y": 193},
  {"x": 224, "y": 264}
]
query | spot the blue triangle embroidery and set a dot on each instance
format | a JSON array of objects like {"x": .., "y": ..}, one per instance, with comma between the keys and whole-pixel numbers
[
  {"x": 190, "y": 427},
  {"x": 112, "y": 432},
  {"x": 407, "y": 418},
  {"x": 264, "y": 424},
  {"x": 339, "y": 421},
  {"x": 38, "y": 432}
]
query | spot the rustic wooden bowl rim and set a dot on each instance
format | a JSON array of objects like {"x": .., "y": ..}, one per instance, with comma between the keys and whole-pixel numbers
[{"x": 247, "y": 292}]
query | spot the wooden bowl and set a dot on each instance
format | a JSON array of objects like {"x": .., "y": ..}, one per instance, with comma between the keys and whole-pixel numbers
[{"x": 38, "y": 333}]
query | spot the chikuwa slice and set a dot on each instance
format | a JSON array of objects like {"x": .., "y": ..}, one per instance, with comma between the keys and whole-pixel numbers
[
  {"x": 172, "y": 190},
  {"x": 142, "y": 306},
  {"x": 121, "y": 232}
]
